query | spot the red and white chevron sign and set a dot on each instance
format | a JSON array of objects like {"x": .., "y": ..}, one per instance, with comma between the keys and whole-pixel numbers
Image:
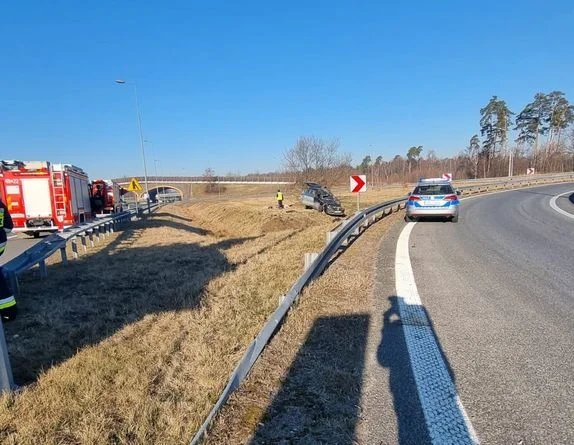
[
  {"x": 447, "y": 176},
  {"x": 358, "y": 183},
  {"x": 530, "y": 171}
]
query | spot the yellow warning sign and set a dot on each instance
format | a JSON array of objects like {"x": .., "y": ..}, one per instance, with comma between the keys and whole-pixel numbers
[{"x": 134, "y": 186}]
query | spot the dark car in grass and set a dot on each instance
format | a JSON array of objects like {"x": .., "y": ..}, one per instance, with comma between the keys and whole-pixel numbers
[{"x": 317, "y": 197}]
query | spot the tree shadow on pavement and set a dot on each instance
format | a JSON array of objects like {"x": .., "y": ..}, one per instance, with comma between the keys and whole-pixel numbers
[
  {"x": 320, "y": 397},
  {"x": 95, "y": 296}
]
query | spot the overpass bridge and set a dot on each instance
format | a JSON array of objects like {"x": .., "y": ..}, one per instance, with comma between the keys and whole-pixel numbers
[{"x": 182, "y": 187}]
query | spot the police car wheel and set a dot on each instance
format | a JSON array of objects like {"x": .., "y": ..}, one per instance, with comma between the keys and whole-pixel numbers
[{"x": 454, "y": 219}]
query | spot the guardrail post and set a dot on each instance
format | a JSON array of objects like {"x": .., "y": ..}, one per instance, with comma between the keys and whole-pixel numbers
[
  {"x": 14, "y": 284},
  {"x": 43, "y": 269},
  {"x": 330, "y": 235},
  {"x": 84, "y": 246},
  {"x": 64, "y": 255},
  {"x": 6, "y": 379},
  {"x": 112, "y": 224},
  {"x": 91, "y": 236},
  {"x": 74, "y": 247},
  {"x": 309, "y": 258}
]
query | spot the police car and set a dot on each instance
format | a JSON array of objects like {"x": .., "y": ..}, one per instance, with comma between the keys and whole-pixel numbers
[{"x": 433, "y": 197}]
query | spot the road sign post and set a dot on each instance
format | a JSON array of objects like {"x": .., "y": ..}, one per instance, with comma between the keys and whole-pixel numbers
[
  {"x": 358, "y": 185},
  {"x": 136, "y": 187}
]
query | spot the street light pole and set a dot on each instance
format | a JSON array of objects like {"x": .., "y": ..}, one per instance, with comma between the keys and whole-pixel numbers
[{"x": 123, "y": 82}]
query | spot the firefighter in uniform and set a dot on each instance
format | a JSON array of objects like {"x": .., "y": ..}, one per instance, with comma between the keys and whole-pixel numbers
[
  {"x": 279, "y": 199},
  {"x": 7, "y": 300}
]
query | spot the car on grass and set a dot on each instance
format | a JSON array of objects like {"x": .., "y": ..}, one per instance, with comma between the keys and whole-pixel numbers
[
  {"x": 434, "y": 198},
  {"x": 317, "y": 197}
]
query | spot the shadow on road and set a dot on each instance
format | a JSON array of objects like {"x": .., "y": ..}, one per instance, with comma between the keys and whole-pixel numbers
[
  {"x": 393, "y": 354},
  {"x": 97, "y": 295},
  {"x": 429, "y": 219},
  {"x": 319, "y": 399}
]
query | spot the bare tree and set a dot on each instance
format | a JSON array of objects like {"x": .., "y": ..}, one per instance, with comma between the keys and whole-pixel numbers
[
  {"x": 211, "y": 186},
  {"x": 313, "y": 158}
]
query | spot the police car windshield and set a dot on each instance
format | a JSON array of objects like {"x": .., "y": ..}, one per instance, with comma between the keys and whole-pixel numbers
[{"x": 433, "y": 189}]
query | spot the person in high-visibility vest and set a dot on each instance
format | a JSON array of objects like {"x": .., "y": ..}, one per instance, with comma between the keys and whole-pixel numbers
[
  {"x": 7, "y": 301},
  {"x": 279, "y": 199}
]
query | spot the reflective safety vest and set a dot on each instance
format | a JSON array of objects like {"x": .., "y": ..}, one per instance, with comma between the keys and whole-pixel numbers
[
  {"x": 7, "y": 302},
  {"x": 2, "y": 244},
  {"x": 279, "y": 196}
]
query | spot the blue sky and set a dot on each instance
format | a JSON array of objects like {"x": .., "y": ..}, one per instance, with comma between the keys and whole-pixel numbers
[{"x": 231, "y": 85}]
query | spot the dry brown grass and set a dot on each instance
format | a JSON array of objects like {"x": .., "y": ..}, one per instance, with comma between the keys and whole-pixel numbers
[
  {"x": 134, "y": 342},
  {"x": 244, "y": 190},
  {"x": 306, "y": 386}
]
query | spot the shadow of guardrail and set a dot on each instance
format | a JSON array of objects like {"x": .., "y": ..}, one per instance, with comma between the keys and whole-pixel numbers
[{"x": 320, "y": 397}]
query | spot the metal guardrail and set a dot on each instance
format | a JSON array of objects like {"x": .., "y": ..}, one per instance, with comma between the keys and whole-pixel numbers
[
  {"x": 336, "y": 240},
  {"x": 351, "y": 228},
  {"x": 38, "y": 254}
]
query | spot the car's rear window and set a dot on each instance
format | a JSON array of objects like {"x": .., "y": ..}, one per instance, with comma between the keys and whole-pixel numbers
[{"x": 433, "y": 189}]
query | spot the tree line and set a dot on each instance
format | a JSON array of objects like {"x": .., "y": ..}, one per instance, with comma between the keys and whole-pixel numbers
[{"x": 544, "y": 140}]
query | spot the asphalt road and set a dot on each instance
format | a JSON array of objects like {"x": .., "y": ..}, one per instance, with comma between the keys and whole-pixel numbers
[
  {"x": 499, "y": 290},
  {"x": 17, "y": 245}
]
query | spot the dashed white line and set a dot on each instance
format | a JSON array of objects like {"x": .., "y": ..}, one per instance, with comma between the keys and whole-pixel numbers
[
  {"x": 445, "y": 416},
  {"x": 558, "y": 209}
]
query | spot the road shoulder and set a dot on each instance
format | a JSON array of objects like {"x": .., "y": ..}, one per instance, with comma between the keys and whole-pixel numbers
[{"x": 390, "y": 406}]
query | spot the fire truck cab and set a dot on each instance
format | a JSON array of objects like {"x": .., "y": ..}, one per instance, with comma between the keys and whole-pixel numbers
[
  {"x": 105, "y": 196},
  {"x": 44, "y": 197}
]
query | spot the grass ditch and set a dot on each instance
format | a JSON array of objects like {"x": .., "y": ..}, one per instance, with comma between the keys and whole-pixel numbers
[
  {"x": 306, "y": 387},
  {"x": 134, "y": 341}
]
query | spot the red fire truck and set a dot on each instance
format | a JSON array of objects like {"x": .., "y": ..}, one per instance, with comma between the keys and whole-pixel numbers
[
  {"x": 44, "y": 197},
  {"x": 105, "y": 196}
]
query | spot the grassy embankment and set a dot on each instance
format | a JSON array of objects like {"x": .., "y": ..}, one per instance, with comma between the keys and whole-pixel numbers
[{"x": 133, "y": 342}]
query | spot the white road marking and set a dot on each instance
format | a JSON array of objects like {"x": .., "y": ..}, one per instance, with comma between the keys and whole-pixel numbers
[
  {"x": 558, "y": 209},
  {"x": 445, "y": 416}
]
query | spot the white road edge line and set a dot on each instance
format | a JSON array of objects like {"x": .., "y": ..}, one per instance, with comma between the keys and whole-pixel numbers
[
  {"x": 445, "y": 416},
  {"x": 558, "y": 209}
]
